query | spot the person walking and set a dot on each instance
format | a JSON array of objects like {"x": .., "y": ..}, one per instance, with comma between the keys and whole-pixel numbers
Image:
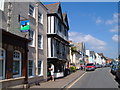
[{"x": 52, "y": 71}]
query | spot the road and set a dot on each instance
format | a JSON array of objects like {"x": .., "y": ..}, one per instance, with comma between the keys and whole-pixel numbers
[{"x": 100, "y": 78}]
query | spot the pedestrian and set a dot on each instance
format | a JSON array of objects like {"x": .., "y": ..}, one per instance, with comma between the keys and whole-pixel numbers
[{"x": 52, "y": 71}]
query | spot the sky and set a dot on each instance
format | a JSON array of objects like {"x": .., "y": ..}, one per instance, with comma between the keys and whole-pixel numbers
[{"x": 96, "y": 24}]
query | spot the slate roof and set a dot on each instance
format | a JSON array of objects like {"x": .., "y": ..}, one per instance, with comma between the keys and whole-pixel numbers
[{"x": 52, "y": 8}]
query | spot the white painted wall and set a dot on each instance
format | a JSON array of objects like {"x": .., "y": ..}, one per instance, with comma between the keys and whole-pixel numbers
[
  {"x": 2, "y": 5},
  {"x": 88, "y": 52}
]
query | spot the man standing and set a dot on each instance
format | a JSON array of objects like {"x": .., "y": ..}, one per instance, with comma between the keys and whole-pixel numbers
[{"x": 52, "y": 71}]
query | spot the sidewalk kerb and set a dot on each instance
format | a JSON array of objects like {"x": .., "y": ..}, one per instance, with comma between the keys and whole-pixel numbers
[{"x": 72, "y": 81}]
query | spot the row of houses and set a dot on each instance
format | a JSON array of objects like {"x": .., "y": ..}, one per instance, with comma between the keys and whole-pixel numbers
[
  {"x": 79, "y": 55},
  {"x": 25, "y": 55}
]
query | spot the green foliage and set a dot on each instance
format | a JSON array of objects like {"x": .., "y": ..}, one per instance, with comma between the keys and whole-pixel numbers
[
  {"x": 73, "y": 50},
  {"x": 72, "y": 68}
]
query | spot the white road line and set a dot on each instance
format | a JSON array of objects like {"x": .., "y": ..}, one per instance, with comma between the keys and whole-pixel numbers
[{"x": 75, "y": 81}]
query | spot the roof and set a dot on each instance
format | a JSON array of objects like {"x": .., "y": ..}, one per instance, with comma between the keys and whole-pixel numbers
[
  {"x": 13, "y": 35},
  {"x": 52, "y": 8}
]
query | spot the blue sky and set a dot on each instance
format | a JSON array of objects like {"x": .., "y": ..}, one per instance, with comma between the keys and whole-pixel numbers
[{"x": 94, "y": 23}]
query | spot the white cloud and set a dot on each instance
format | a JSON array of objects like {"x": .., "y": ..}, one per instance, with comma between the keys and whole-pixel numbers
[
  {"x": 99, "y": 20},
  {"x": 115, "y": 29},
  {"x": 93, "y": 42},
  {"x": 113, "y": 20},
  {"x": 116, "y": 38}
]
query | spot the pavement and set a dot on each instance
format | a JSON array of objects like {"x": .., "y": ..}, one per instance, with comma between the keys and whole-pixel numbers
[{"x": 60, "y": 83}]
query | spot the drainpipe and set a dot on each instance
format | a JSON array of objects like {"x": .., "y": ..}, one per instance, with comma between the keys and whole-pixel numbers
[
  {"x": 9, "y": 15},
  {"x": 36, "y": 44}
]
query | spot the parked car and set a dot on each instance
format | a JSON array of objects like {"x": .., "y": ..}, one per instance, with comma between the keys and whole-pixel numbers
[
  {"x": 113, "y": 69},
  {"x": 98, "y": 66},
  {"x": 117, "y": 76},
  {"x": 90, "y": 66},
  {"x": 107, "y": 65}
]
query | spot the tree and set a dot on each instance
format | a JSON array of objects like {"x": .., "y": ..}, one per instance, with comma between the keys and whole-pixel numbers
[{"x": 73, "y": 50}]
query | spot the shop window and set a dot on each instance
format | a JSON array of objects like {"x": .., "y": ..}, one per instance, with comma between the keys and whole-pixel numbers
[
  {"x": 16, "y": 64},
  {"x": 30, "y": 68},
  {"x": 2, "y": 64}
]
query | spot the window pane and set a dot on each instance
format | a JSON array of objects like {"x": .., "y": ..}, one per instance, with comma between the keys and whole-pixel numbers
[
  {"x": 30, "y": 67},
  {"x": 16, "y": 69},
  {"x": 31, "y": 9},
  {"x": 16, "y": 55},
  {"x": 39, "y": 67},
  {"x": 1, "y": 68},
  {"x": 30, "y": 72},
  {"x": 39, "y": 41}
]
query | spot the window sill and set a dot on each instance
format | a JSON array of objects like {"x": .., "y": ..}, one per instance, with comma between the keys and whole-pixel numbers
[
  {"x": 31, "y": 16},
  {"x": 40, "y": 23},
  {"x": 31, "y": 76},
  {"x": 31, "y": 46},
  {"x": 40, "y": 48},
  {"x": 40, "y": 75},
  {"x": 15, "y": 76},
  {"x": 6, "y": 80}
]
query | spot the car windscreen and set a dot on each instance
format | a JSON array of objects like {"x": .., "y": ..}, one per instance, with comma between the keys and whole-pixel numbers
[{"x": 89, "y": 64}]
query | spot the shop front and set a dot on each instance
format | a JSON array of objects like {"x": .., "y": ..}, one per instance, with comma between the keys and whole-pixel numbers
[{"x": 59, "y": 66}]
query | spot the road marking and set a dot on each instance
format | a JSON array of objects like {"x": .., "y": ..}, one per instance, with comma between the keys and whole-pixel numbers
[{"x": 75, "y": 81}]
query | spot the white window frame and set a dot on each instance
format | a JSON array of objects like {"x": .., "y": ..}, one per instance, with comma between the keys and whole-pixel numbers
[
  {"x": 2, "y": 2},
  {"x": 41, "y": 74},
  {"x": 40, "y": 41},
  {"x": 32, "y": 69},
  {"x": 3, "y": 58},
  {"x": 33, "y": 39},
  {"x": 40, "y": 17},
  {"x": 20, "y": 60},
  {"x": 33, "y": 10}
]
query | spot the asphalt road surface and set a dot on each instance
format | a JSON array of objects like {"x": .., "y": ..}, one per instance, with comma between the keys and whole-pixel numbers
[{"x": 100, "y": 78}]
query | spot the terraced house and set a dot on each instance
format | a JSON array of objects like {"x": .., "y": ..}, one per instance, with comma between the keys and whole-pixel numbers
[{"x": 57, "y": 37}]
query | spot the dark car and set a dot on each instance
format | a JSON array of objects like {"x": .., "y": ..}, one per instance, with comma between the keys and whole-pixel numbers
[
  {"x": 90, "y": 66},
  {"x": 107, "y": 65},
  {"x": 114, "y": 69},
  {"x": 118, "y": 72}
]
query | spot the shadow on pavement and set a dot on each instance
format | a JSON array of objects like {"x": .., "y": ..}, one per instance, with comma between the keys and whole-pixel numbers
[{"x": 118, "y": 81}]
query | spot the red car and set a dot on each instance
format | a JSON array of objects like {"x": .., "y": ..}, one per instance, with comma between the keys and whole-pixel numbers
[{"x": 90, "y": 66}]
